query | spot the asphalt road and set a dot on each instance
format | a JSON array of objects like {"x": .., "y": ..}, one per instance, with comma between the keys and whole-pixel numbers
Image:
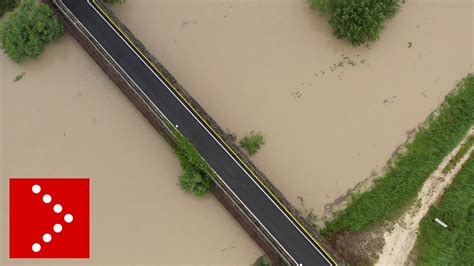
[{"x": 265, "y": 208}]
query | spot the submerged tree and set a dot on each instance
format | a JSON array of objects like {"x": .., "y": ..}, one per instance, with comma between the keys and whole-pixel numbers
[
  {"x": 252, "y": 142},
  {"x": 28, "y": 30},
  {"x": 358, "y": 21}
]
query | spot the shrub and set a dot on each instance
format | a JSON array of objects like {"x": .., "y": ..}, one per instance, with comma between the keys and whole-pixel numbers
[
  {"x": 358, "y": 21},
  {"x": 7, "y": 5},
  {"x": 196, "y": 177},
  {"x": 28, "y": 30},
  {"x": 252, "y": 142},
  {"x": 398, "y": 187},
  {"x": 262, "y": 261}
]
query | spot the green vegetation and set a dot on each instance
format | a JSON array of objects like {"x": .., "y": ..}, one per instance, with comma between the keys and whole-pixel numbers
[
  {"x": 462, "y": 151},
  {"x": 114, "y": 1},
  {"x": 453, "y": 245},
  {"x": 398, "y": 187},
  {"x": 196, "y": 177},
  {"x": 252, "y": 142},
  {"x": 358, "y": 21},
  {"x": 28, "y": 30},
  {"x": 19, "y": 76},
  {"x": 7, "y": 5},
  {"x": 262, "y": 261}
]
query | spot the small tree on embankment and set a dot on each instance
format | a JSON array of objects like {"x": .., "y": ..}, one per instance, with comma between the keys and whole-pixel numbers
[
  {"x": 27, "y": 31},
  {"x": 358, "y": 21}
]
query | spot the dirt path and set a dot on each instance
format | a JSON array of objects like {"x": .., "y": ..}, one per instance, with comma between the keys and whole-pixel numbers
[{"x": 400, "y": 241}]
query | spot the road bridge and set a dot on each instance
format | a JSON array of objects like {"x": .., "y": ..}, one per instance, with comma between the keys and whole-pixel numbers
[{"x": 265, "y": 209}]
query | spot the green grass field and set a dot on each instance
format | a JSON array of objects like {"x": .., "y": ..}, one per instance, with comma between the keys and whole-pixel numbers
[
  {"x": 398, "y": 187},
  {"x": 462, "y": 151},
  {"x": 455, "y": 245}
]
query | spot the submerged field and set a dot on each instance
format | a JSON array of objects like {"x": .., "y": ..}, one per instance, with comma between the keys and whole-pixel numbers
[
  {"x": 398, "y": 187},
  {"x": 331, "y": 115}
]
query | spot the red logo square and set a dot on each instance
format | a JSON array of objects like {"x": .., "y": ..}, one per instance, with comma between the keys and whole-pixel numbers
[{"x": 49, "y": 218}]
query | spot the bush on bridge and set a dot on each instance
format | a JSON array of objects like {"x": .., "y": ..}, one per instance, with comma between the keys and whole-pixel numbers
[
  {"x": 195, "y": 178},
  {"x": 358, "y": 21},
  {"x": 28, "y": 30}
]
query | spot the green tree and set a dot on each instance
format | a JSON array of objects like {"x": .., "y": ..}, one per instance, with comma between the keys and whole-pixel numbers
[
  {"x": 252, "y": 142},
  {"x": 28, "y": 30},
  {"x": 196, "y": 177},
  {"x": 358, "y": 21},
  {"x": 7, "y": 5}
]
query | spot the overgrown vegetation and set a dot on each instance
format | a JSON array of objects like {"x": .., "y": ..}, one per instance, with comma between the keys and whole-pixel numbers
[
  {"x": 398, "y": 187},
  {"x": 462, "y": 151},
  {"x": 358, "y": 21},
  {"x": 262, "y": 261},
  {"x": 7, "y": 5},
  {"x": 196, "y": 177},
  {"x": 28, "y": 30},
  {"x": 453, "y": 245},
  {"x": 252, "y": 142}
]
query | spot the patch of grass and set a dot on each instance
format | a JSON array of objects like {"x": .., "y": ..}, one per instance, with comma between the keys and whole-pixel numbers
[
  {"x": 453, "y": 245},
  {"x": 262, "y": 261},
  {"x": 462, "y": 151},
  {"x": 196, "y": 178},
  {"x": 19, "y": 76},
  {"x": 252, "y": 142},
  {"x": 358, "y": 21},
  {"x": 398, "y": 187}
]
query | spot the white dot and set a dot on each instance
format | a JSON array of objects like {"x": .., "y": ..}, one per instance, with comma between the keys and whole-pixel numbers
[
  {"x": 58, "y": 208},
  {"x": 36, "y": 189},
  {"x": 47, "y": 198},
  {"x": 57, "y": 228},
  {"x": 68, "y": 218},
  {"x": 47, "y": 238},
  {"x": 36, "y": 247}
]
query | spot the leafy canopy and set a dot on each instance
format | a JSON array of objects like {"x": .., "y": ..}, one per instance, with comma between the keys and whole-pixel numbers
[
  {"x": 252, "y": 142},
  {"x": 28, "y": 30},
  {"x": 195, "y": 178},
  {"x": 358, "y": 21}
]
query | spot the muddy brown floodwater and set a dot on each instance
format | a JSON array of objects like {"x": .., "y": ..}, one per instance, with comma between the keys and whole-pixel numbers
[{"x": 331, "y": 114}]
